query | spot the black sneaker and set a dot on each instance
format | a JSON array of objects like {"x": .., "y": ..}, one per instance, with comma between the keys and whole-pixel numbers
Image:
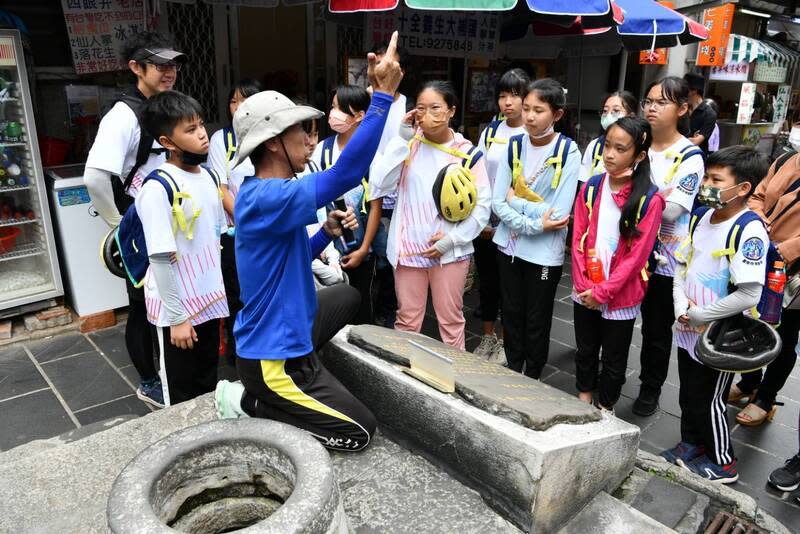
[
  {"x": 787, "y": 478},
  {"x": 646, "y": 403}
]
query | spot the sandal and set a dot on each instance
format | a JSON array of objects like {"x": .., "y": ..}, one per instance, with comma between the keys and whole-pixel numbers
[
  {"x": 736, "y": 395},
  {"x": 755, "y": 413}
]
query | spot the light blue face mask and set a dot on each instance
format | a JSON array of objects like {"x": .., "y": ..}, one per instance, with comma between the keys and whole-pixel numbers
[{"x": 607, "y": 119}]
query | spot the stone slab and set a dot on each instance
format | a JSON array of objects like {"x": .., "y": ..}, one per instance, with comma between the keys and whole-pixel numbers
[
  {"x": 62, "y": 485},
  {"x": 489, "y": 386},
  {"x": 658, "y": 491},
  {"x": 537, "y": 479},
  {"x": 606, "y": 514}
]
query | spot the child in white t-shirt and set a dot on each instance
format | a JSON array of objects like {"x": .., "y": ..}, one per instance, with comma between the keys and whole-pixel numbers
[
  {"x": 184, "y": 290},
  {"x": 493, "y": 142},
  {"x": 702, "y": 293},
  {"x": 676, "y": 169}
]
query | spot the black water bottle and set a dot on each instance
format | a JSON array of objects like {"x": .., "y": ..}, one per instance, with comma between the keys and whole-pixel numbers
[{"x": 348, "y": 238}]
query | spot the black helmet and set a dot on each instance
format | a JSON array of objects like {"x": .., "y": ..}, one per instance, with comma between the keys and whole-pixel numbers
[
  {"x": 109, "y": 253},
  {"x": 738, "y": 344}
]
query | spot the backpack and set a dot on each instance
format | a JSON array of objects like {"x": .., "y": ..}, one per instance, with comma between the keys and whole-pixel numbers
[
  {"x": 597, "y": 155},
  {"x": 590, "y": 199},
  {"x": 491, "y": 131},
  {"x": 129, "y": 235},
  {"x": 679, "y": 157},
  {"x": 327, "y": 163},
  {"x": 783, "y": 158},
  {"x": 558, "y": 158},
  {"x": 121, "y": 198},
  {"x": 733, "y": 241}
]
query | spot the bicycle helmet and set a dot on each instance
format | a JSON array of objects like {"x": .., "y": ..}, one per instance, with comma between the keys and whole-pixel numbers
[
  {"x": 454, "y": 192},
  {"x": 738, "y": 344},
  {"x": 109, "y": 253}
]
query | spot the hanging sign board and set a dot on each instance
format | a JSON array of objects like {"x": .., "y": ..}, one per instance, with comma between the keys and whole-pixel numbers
[
  {"x": 718, "y": 21},
  {"x": 659, "y": 55},
  {"x": 782, "y": 103},
  {"x": 746, "y": 100},
  {"x": 436, "y": 33},
  {"x": 731, "y": 72},
  {"x": 769, "y": 72},
  {"x": 97, "y": 30}
]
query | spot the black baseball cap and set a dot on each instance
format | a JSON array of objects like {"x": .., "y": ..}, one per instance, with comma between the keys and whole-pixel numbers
[{"x": 160, "y": 56}]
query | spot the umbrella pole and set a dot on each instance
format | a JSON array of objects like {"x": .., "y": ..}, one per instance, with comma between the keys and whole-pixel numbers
[
  {"x": 580, "y": 93},
  {"x": 463, "y": 127},
  {"x": 623, "y": 70}
]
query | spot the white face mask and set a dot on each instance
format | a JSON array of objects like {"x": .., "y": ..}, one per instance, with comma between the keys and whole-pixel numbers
[
  {"x": 607, "y": 119},
  {"x": 794, "y": 138}
]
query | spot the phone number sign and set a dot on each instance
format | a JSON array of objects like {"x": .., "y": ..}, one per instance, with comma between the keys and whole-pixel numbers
[{"x": 436, "y": 33}]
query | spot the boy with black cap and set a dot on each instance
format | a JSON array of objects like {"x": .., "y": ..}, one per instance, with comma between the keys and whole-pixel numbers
[
  {"x": 284, "y": 321},
  {"x": 120, "y": 158}
]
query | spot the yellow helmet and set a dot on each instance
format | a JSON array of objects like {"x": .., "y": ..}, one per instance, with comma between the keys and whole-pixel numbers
[{"x": 454, "y": 192}]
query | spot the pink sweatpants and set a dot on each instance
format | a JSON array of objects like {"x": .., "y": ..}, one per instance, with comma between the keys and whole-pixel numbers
[{"x": 447, "y": 289}]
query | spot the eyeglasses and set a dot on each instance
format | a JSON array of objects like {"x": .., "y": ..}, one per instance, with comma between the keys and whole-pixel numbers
[
  {"x": 165, "y": 67},
  {"x": 435, "y": 111},
  {"x": 656, "y": 105}
]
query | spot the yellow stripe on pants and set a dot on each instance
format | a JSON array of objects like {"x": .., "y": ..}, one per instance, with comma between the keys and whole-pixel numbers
[{"x": 281, "y": 384}]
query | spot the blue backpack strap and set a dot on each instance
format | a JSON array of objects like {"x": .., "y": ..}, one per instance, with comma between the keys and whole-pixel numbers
[
  {"x": 559, "y": 157},
  {"x": 597, "y": 153},
  {"x": 735, "y": 233},
  {"x": 167, "y": 182},
  {"x": 644, "y": 203},
  {"x": 491, "y": 131},
  {"x": 590, "y": 199},
  {"x": 474, "y": 154},
  {"x": 514, "y": 149},
  {"x": 327, "y": 152},
  {"x": 229, "y": 142},
  {"x": 695, "y": 218}
]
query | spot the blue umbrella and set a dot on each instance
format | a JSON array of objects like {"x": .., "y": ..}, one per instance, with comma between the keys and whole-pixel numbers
[
  {"x": 593, "y": 13},
  {"x": 650, "y": 25}
]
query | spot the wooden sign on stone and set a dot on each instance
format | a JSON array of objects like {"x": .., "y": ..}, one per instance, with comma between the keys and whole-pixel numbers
[{"x": 489, "y": 386}]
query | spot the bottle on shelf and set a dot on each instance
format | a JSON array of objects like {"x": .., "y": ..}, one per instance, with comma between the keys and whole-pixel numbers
[
  {"x": 594, "y": 267},
  {"x": 772, "y": 296}
]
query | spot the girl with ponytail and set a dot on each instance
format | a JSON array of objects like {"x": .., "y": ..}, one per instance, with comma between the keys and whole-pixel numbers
[{"x": 617, "y": 216}]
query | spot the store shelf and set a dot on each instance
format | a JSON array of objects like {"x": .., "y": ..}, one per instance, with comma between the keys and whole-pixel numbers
[
  {"x": 22, "y": 250},
  {"x": 9, "y": 188},
  {"x": 16, "y": 222}
]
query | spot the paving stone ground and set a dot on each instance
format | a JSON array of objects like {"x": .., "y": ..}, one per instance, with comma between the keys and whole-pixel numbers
[{"x": 53, "y": 385}]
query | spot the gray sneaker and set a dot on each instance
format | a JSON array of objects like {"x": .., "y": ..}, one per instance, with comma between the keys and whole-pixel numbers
[
  {"x": 485, "y": 348},
  {"x": 498, "y": 354}
]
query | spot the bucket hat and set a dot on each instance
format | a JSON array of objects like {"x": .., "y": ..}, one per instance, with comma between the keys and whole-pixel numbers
[{"x": 264, "y": 116}]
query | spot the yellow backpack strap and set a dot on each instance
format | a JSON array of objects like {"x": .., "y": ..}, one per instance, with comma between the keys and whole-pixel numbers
[
  {"x": 589, "y": 206},
  {"x": 730, "y": 250},
  {"x": 231, "y": 145},
  {"x": 557, "y": 159},
  {"x": 597, "y": 156},
  {"x": 178, "y": 216},
  {"x": 452, "y": 151},
  {"x": 677, "y": 159},
  {"x": 687, "y": 243}
]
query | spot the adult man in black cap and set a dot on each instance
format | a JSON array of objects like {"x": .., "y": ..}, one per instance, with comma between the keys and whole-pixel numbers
[
  {"x": 120, "y": 158},
  {"x": 703, "y": 118}
]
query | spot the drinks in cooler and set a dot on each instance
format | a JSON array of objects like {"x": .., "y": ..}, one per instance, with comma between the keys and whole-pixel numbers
[{"x": 29, "y": 271}]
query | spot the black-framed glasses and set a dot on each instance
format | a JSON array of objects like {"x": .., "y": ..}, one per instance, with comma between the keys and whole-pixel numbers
[{"x": 165, "y": 67}]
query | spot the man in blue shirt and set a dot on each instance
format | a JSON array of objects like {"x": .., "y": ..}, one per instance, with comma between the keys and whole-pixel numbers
[{"x": 284, "y": 322}]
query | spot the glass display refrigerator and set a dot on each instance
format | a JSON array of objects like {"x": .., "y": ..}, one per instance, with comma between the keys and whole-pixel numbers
[{"x": 29, "y": 272}]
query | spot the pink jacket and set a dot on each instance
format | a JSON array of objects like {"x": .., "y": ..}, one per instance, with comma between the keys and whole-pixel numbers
[{"x": 626, "y": 284}]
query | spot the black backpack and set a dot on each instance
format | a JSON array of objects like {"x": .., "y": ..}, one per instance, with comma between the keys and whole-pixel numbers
[{"x": 121, "y": 198}]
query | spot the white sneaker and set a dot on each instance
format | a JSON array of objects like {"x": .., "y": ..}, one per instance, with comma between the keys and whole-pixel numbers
[
  {"x": 228, "y": 400},
  {"x": 486, "y": 346},
  {"x": 498, "y": 354}
]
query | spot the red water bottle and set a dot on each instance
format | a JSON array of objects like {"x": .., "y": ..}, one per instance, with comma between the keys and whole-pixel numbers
[
  {"x": 772, "y": 298},
  {"x": 594, "y": 267}
]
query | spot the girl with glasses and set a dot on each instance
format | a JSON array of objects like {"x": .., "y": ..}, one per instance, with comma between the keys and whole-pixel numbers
[
  {"x": 425, "y": 248},
  {"x": 676, "y": 169}
]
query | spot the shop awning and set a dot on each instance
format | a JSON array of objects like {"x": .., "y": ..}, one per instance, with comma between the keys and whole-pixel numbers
[{"x": 741, "y": 48}]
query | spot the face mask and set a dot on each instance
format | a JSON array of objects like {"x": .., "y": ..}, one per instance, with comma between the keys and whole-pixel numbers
[
  {"x": 544, "y": 134},
  {"x": 712, "y": 196},
  {"x": 191, "y": 158},
  {"x": 794, "y": 137},
  {"x": 339, "y": 121},
  {"x": 607, "y": 119},
  {"x": 622, "y": 174}
]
